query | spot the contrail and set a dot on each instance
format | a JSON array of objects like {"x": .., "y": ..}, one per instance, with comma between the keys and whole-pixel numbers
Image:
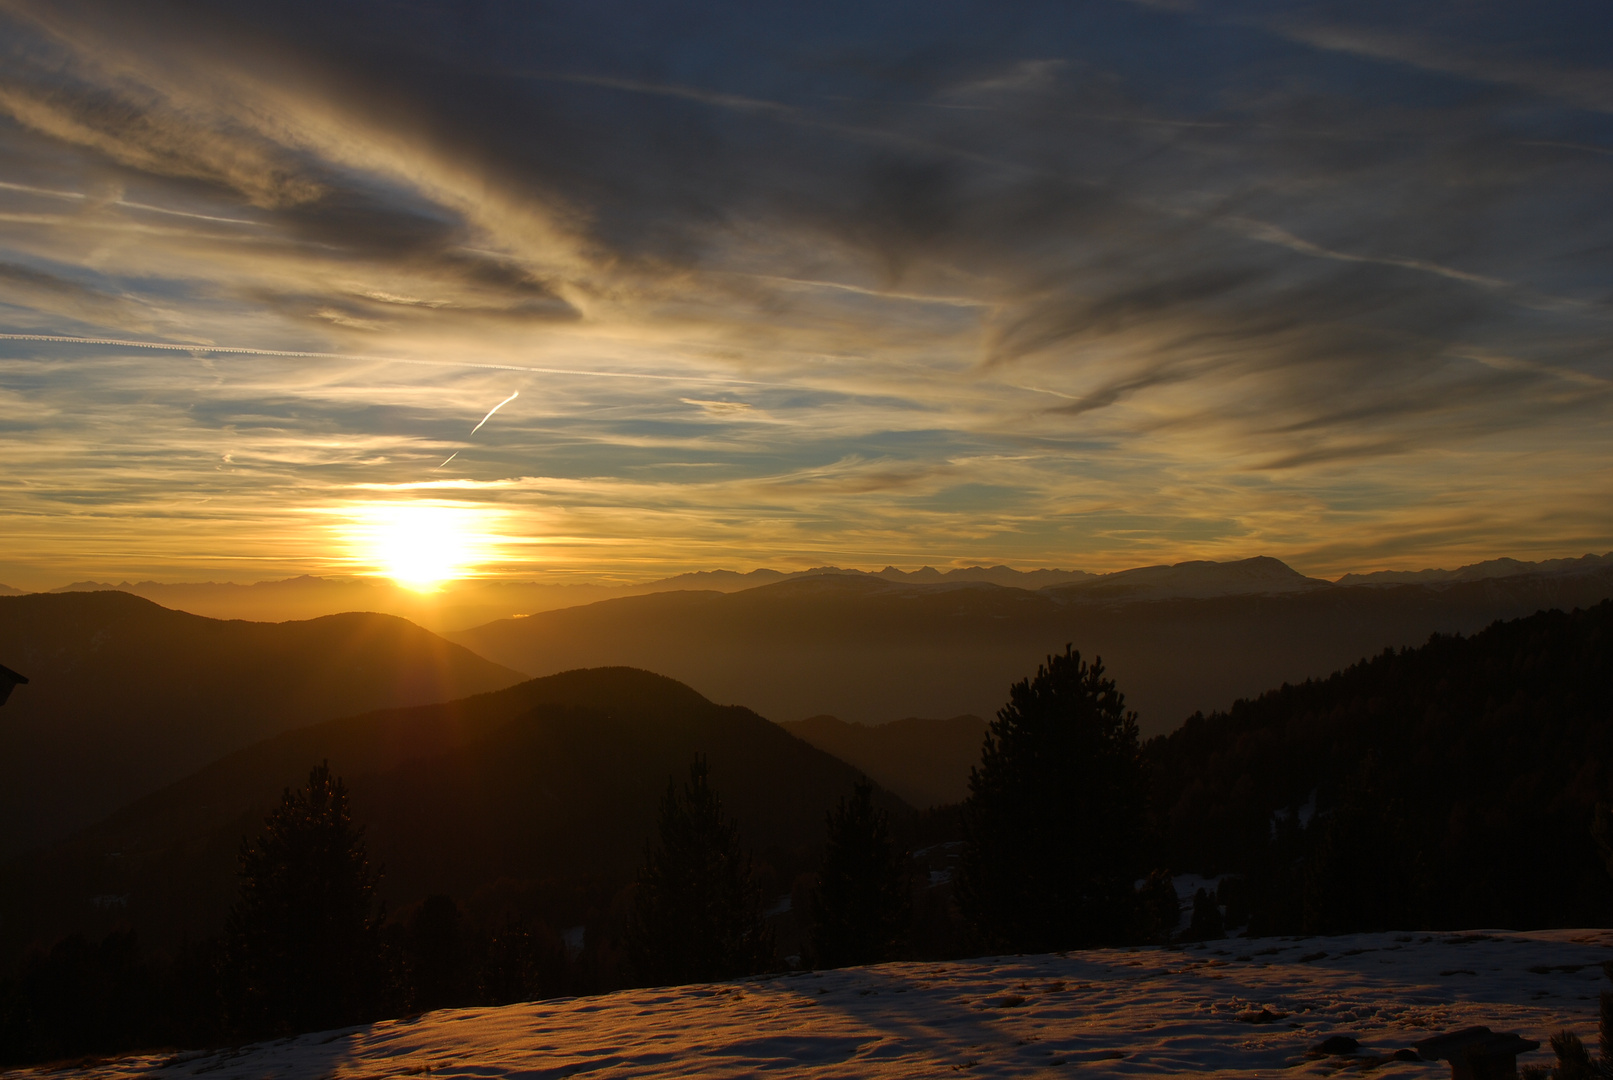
[
  {"x": 485, "y": 419},
  {"x": 490, "y": 413}
]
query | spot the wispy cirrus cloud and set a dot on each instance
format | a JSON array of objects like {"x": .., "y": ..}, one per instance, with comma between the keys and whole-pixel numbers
[{"x": 1083, "y": 287}]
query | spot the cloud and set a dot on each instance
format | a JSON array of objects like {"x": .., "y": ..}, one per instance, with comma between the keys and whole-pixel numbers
[
  {"x": 1581, "y": 86},
  {"x": 1071, "y": 286},
  {"x": 148, "y": 138},
  {"x": 718, "y": 408}
]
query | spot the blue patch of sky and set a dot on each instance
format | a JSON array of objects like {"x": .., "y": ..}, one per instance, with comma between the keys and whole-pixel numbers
[{"x": 981, "y": 498}]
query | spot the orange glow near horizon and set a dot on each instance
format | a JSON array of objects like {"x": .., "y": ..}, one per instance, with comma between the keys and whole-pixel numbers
[{"x": 421, "y": 546}]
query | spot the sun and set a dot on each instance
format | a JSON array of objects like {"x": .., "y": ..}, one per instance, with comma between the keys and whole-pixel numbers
[{"x": 420, "y": 546}]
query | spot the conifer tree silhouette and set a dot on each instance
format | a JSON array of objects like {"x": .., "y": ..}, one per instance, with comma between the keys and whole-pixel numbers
[
  {"x": 1602, "y": 833},
  {"x": 1205, "y": 925},
  {"x": 1055, "y": 815},
  {"x": 1573, "y": 1060},
  {"x": 1160, "y": 908},
  {"x": 697, "y": 911},
  {"x": 301, "y": 940},
  {"x": 507, "y": 973},
  {"x": 520, "y": 964},
  {"x": 1357, "y": 875},
  {"x": 436, "y": 945},
  {"x": 862, "y": 907}
]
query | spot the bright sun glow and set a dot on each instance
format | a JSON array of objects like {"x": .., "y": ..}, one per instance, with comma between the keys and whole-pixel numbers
[{"x": 419, "y": 545}]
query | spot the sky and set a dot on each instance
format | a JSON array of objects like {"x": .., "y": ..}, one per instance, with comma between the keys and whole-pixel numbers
[{"x": 1083, "y": 285}]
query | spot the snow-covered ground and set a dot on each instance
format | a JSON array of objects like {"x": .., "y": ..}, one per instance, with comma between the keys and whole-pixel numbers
[{"x": 1234, "y": 1008}]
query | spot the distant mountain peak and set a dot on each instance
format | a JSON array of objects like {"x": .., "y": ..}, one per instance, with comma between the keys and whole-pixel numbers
[
  {"x": 929, "y": 575},
  {"x": 1197, "y": 579},
  {"x": 1481, "y": 571},
  {"x": 720, "y": 579},
  {"x": 926, "y": 575}
]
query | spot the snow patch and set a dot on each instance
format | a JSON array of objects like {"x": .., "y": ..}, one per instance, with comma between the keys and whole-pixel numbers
[{"x": 1222, "y": 1008}]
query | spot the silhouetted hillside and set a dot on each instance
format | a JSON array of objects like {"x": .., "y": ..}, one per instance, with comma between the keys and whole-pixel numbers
[
  {"x": 455, "y": 606},
  {"x": 1452, "y": 785},
  {"x": 926, "y": 762},
  {"x": 863, "y": 649},
  {"x": 126, "y": 696},
  {"x": 554, "y": 778}
]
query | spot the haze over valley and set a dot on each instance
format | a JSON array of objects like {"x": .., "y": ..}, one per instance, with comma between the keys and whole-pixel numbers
[{"x": 465, "y": 604}]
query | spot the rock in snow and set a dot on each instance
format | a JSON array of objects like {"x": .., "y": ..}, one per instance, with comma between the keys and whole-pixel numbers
[{"x": 1142, "y": 1012}]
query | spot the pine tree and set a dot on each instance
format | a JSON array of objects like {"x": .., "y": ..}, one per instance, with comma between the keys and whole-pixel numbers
[
  {"x": 1358, "y": 875},
  {"x": 1206, "y": 924},
  {"x": 1055, "y": 816},
  {"x": 1160, "y": 908},
  {"x": 437, "y": 954},
  {"x": 697, "y": 911},
  {"x": 522, "y": 963},
  {"x": 1602, "y": 833},
  {"x": 862, "y": 907},
  {"x": 302, "y": 944},
  {"x": 1604, "y": 1028},
  {"x": 1573, "y": 1060}
]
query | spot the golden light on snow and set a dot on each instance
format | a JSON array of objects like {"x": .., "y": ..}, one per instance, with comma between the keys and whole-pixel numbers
[{"x": 419, "y": 545}]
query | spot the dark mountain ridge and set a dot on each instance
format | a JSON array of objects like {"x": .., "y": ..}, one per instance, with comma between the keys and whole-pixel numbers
[
  {"x": 557, "y": 778},
  {"x": 125, "y": 696}
]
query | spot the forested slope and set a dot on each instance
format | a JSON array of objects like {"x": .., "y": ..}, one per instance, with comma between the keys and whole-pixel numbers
[{"x": 1452, "y": 784}]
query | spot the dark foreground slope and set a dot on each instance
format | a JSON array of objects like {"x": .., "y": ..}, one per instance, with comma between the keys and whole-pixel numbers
[
  {"x": 558, "y": 778},
  {"x": 926, "y": 762},
  {"x": 125, "y": 696},
  {"x": 1451, "y": 785},
  {"x": 867, "y": 650}
]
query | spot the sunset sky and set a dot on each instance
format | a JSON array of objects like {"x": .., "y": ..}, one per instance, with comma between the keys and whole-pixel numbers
[{"x": 1079, "y": 284}]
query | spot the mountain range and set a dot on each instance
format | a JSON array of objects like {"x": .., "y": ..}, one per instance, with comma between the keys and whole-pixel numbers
[
  {"x": 866, "y": 649},
  {"x": 552, "y": 783},
  {"x": 474, "y": 601},
  {"x": 125, "y": 696}
]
